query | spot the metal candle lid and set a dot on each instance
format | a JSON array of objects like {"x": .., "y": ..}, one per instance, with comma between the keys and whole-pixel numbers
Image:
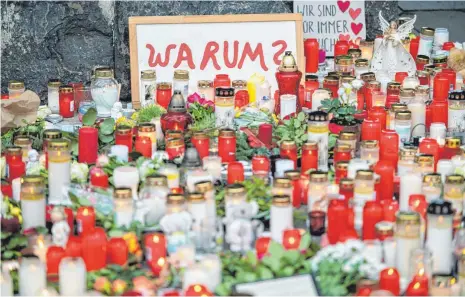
[
  {"x": 146, "y": 127},
  {"x": 191, "y": 158},
  {"x": 122, "y": 193},
  {"x": 453, "y": 142},
  {"x": 422, "y": 90},
  {"x": 52, "y": 134},
  {"x": 32, "y": 179},
  {"x": 432, "y": 178},
  {"x": 195, "y": 197},
  {"x": 203, "y": 84},
  {"x": 292, "y": 174},
  {"x": 235, "y": 189},
  {"x": 59, "y": 144},
  {"x": 104, "y": 73},
  {"x": 342, "y": 165},
  {"x": 15, "y": 85},
  {"x": 175, "y": 199},
  {"x": 393, "y": 85},
  {"x": 318, "y": 116},
  {"x": 347, "y": 184},
  {"x": 369, "y": 144},
  {"x": 288, "y": 63},
  {"x": 440, "y": 207},
  {"x": 407, "y": 92},
  {"x": 164, "y": 86},
  {"x": 177, "y": 103},
  {"x": 156, "y": 180},
  {"x": 455, "y": 179},
  {"x": 148, "y": 74},
  {"x": 427, "y": 31},
  {"x": 224, "y": 92},
  {"x": 347, "y": 135},
  {"x": 66, "y": 89},
  {"x": 282, "y": 182},
  {"x": 203, "y": 186},
  {"x": 181, "y": 74},
  {"x": 364, "y": 174},
  {"x": 123, "y": 130},
  {"x": 457, "y": 95},
  {"x": 54, "y": 83},
  {"x": 361, "y": 63},
  {"x": 318, "y": 176},
  {"x": 404, "y": 115},
  {"x": 14, "y": 150},
  {"x": 281, "y": 200},
  {"x": 410, "y": 217}
]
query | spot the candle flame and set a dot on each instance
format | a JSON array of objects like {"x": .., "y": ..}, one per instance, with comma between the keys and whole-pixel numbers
[
  {"x": 161, "y": 262},
  {"x": 156, "y": 239},
  {"x": 291, "y": 240},
  {"x": 390, "y": 271},
  {"x": 416, "y": 285},
  {"x": 440, "y": 219},
  {"x": 85, "y": 212},
  {"x": 421, "y": 272},
  {"x": 197, "y": 288}
]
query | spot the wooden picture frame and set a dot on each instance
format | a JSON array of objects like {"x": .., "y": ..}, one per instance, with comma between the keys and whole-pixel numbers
[{"x": 212, "y": 19}]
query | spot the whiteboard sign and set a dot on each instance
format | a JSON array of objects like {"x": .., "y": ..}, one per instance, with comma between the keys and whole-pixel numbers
[
  {"x": 329, "y": 21},
  {"x": 237, "y": 45}
]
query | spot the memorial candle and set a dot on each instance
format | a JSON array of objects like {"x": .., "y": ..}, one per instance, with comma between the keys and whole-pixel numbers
[
  {"x": 14, "y": 162},
  {"x": 117, "y": 252},
  {"x": 261, "y": 246},
  {"x": 227, "y": 145},
  {"x": 341, "y": 47},
  {"x": 337, "y": 220},
  {"x": 386, "y": 172},
  {"x": 73, "y": 247},
  {"x": 85, "y": 219},
  {"x": 288, "y": 150},
  {"x": 389, "y": 280},
  {"x": 155, "y": 251},
  {"x": 94, "y": 249},
  {"x": 144, "y": 146},
  {"x": 311, "y": 85},
  {"x": 123, "y": 136},
  {"x": 175, "y": 148},
  {"x": 201, "y": 142},
  {"x": 342, "y": 153},
  {"x": 431, "y": 147},
  {"x": 88, "y": 145},
  {"x": 98, "y": 178},
  {"x": 235, "y": 172},
  {"x": 54, "y": 256},
  {"x": 291, "y": 239},
  {"x": 33, "y": 201},
  {"x": 281, "y": 218},
  {"x": 372, "y": 214},
  {"x": 72, "y": 277},
  {"x": 25, "y": 143},
  {"x": 390, "y": 209},
  {"x": 346, "y": 188},
  {"x": 441, "y": 87},
  {"x": 294, "y": 176},
  {"x": 123, "y": 206},
  {"x": 389, "y": 146},
  {"x": 416, "y": 288},
  {"x": 379, "y": 113},
  {"x": 32, "y": 277},
  {"x": 260, "y": 163},
  {"x": 265, "y": 133},
  {"x": 371, "y": 129},
  {"x": 407, "y": 239},
  {"x": 309, "y": 158},
  {"x": 148, "y": 130},
  {"x": 369, "y": 151},
  {"x": 311, "y": 55},
  {"x": 59, "y": 169}
]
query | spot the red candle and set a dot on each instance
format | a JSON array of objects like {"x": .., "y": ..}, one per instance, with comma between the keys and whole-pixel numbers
[
  {"x": 386, "y": 172},
  {"x": 265, "y": 133},
  {"x": 85, "y": 219},
  {"x": 261, "y": 246},
  {"x": 294, "y": 176},
  {"x": 123, "y": 136},
  {"x": 416, "y": 288},
  {"x": 378, "y": 113},
  {"x": 304, "y": 184},
  {"x": 342, "y": 153},
  {"x": 311, "y": 48},
  {"x": 177, "y": 190},
  {"x": 372, "y": 214},
  {"x": 417, "y": 203},
  {"x": 155, "y": 251},
  {"x": 227, "y": 145},
  {"x": 400, "y": 76},
  {"x": 342, "y": 168},
  {"x": 16, "y": 168},
  {"x": 222, "y": 80},
  {"x": 164, "y": 94},
  {"x": 54, "y": 256},
  {"x": 201, "y": 142},
  {"x": 291, "y": 239},
  {"x": 414, "y": 45},
  {"x": 372, "y": 86},
  {"x": 309, "y": 160},
  {"x": 74, "y": 247},
  {"x": 260, "y": 163},
  {"x": 235, "y": 172},
  {"x": 79, "y": 93},
  {"x": 98, "y": 178},
  {"x": 371, "y": 129},
  {"x": 451, "y": 75},
  {"x": 117, "y": 252},
  {"x": 337, "y": 220},
  {"x": 431, "y": 147},
  {"x": 175, "y": 148},
  {"x": 241, "y": 98},
  {"x": 389, "y": 280},
  {"x": 144, "y": 146},
  {"x": 88, "y": 145},
  {"x": 439, "y": 112},
  {"x": 341, "y": 47},
  {"x": 389, "y": 147},
  {"x": 288, "y": 150},
  {"x": 66, "y": 101},
  {"x": 7, "y": 190},
  {"x": 346, "y": 188},
  {"x": 94, "y": 249},
  {"x": 441, "y": 87},
  {"x": 447, "y": 46},
  {"x": 197, "y": 290},
  {"x": 390, "y": 209},
  {"x": 311, "y": 84}
]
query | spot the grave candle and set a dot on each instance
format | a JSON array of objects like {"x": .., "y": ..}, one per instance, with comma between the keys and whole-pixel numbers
[
  {"x": 212, "y": 265},
  {"x": 384, "y": 229},
  {"x": 342, "y": 152},
  {"x": 33, "y": 201},
  {"x": 431, "y": 147},
  {"x": 317, "y": 191},
  {"x": 281, "y": 217},
  {"x": 410, "y": 183},
  {"x": 346, "y": 188},
  {"x": 260, "y": 163},
  {"x": 372, "y": 214},
  {"x": 25, "y": 143},
  {"x": 311, "y": 85},
  {"x": 201, "y": 142},
  {"x": 123, "y": 206},
  {"x": 389, "y": 280},
  {"x": 369, "y": 151},
  {"x": 88, "y": 145},
  {"x": 445, "y": 167},
  {"x": 54, "y": 256},
  {"x": 164, "y": 94},
  {"x": 337, "y": 219},
  {"x": 155, "y": 251},
  {"x": 291, "y": 239},
  {"x": 294, "y": 176},
  {"x": 311, "y": 55},
  {"x": 318, "y": 131},
  {"x": 309, "y": 158},
  {"x": 94, "y": 249},
  {"x": 407, "y": 239},
  {"x": 206, "y": 188},
  {"x": 117, "y": 251},
  {"x": 66, "y": 101},
  {"x": 127, "y": 177},
  {"x": 72, "y": 277},
  {"x": 212, "y": 164},
  {"x": 98, "y": 178},
  {"x": 288, "y": 150},
  {"x": 73, "y": 247},
  {"x": 261, "y": 246},
  {"x": 32, "y": 277},
  {"x": 14, "y": 162},
  {"x": 341, "y": 47},
  {"x": 389, "y": 146},
  {"x": 371, "y": 129},
  {"x": 175, "y": 148},
  {"x": 144, "y": 146},
  {"x": 432, "y": 186},
  {"x": 59, "y": 169},
  {"x": 227, "y": 145},
  {"x": 85, "y": 219},
  {"x": 148, "y": 130}
]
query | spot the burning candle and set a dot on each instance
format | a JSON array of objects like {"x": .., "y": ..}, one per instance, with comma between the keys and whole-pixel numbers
[
  {"x": 384, "y": 229},
  {"x": 371, "y": 129},
  {"x": 117, "y": 251},
  {"x": 40, "y": 245},
  {"x": 265, "y": 133},
  {"x": 175, "y": 148},
  {"x": 88, "y": 145},
  {"x": 407, "y": 239},
  {"x": 346, "y": 188},
  {"x": 98, "y": 178},
  {"x": 15, "y": 165},
  {"x": 123, "y": 136},
  {"x": 281, "y": 217},
  {"x": 260, "y": 163},
  {"x": 164, "y": 94},
  {"x": 288, "y": 150},
  {"x": 311, "y": 85},
  {"x": 32, "y": 276},
  {"x": 453, "y": 192},
  {"x": 59, "y": 169},
  {"x": 123, "y": 206},
  {"x": 414, "y": 45},
  {"x": 201, "y": 142},
  {"x": 54, "y": 256},
  {"x": 94, "y": 249},
  {"x": 342, "y": 153},
  {"x": 33, "y": 201},
  {"x": 227, "y": 145},
  {"x": 72, "y": 277},
  {"x": 389, "y": 280},
  {"x": 318, "y": 131},
  {"x": 235, "y": 172},
  {"x": 372, "y": 214},
  {"x": 127, "y": 177},
  {"x": 25, "y": 143},
  {"x": 341, "y": 47},
  {"x": 261, "y": 246},
  {"x": 389, "y": 146},
  {"x": 431, "y": 147},
  {"x": 294, "y": 176},
  {"x": 369, "y": 151},
  {"x": 85, "y": 219},
  {"x": 337, "y": 219},
  {"x": 148, "y": 130},
  {"x": 386, "y": 172},
  {"x": 291, "y": 239},
  {"x": 309, "y": 156},
  {"x": 317, "y": 190},
  {"x": 144, "y": 146},
  {"x": 155, "y": 251}
]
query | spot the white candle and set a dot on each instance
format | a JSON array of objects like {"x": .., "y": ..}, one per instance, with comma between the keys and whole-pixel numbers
[
  {"x": 438, "y": 132},
  {"x": 7, "y": 284},
  {"x": 49, "y": 291},
  {"x": 32, "y": 277},
  {"x": 445, "y": 167},
  {"x": 212, "y": 265},
  {"x": 283, "y": 165},
  {"x": 159, "y": 132},
  {"x": 172, "y": 174},
  {"x": 33, "y": 212},
  {"x": 288, "y": 105},
  {"x": 40, "y": 247},
  {"x": 59, "y": 176},
  {"x": 355, "y": 165},
  {"x": 373, "y": 250},
  {"x": 439, "y": 240},
  {"x": 120, "y": 152},
  {"x": 126, "y": 176},
  {"x": 209, "y": 193},
  {"x": 72, "y": 273},
  {"x": 418, "y": 112},
  {"x": 195, "y": 176},
  {"x": 389, "y": 252},
  {"x": 123, "y": 207},
  {"x": 407, "y": 236},
  {"x": 186, "y": 255},
  {"x": 195, "y": 275},
  {"x": 197, "y": 207},
  {"x": 281, "y": 217},
  {"x": 410, "y": 183},
  {"x": 16, "y": 187},
  {"x": 410, "y": 82},
  {"x": 318, "y": 96},
  {"x": 458, "y": 161}
]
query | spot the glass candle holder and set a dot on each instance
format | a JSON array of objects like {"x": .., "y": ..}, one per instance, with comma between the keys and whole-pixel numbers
[
  {"x": 331, "y": 83},
  {"x": 406, "y": 95},
  {"x": 288, "y": 150},
  {"x": 378, "y": 98},
  {"x": 403, "y": 126},
  {"x": 369, "y": 150},
  {"x": 280, "y": 216},
  {"x": 369, "y": 88},
  {"x": 148, "y": 130},
  {"x": 123, "y": 206},
  {"x": 164, "y": 90},
  {"x": 421, "y": 263},
  {"x": 53, "y": 95},
  {"x": 224, "y": 107},
  {"x": 148, "y": 87},
  {"x": 206, "y": 90},
  {"x": 318, "y": 96},
  {"x": 361, "y": 66},
  {"x": 59, "y": 168},
  {"x": 317, "y": 191},
  {"x": 309, "y": 158},
  {"x": 15, "y": 89},
  {"x": 344, "y": 64},
  {"x": 33, "y": 201},
  {"x": 456, "y": 111},
  {"x": 235, "y": 194},
  {"x": 342, "y": 152},
  {"x": 25, "y": 143},
  {"x": 453, "y": 192},
  {"x": 407, "y": 239},
  {"x": 181, "y": 82},
  {"x": 432, "y": 186},
  {"x": 282, "y": 186},
  {"x": 366, "y": 46},
  {"x": 384, "y": 230},
  {"x": 364, "y": 191},
  {"x": 341, "y": 170},
  {"x": 349, "y": 139},
  {"x": 227, "y": 145},
  {"x": 318, "y": 131},
  {"x": 424, "y": 164}
]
